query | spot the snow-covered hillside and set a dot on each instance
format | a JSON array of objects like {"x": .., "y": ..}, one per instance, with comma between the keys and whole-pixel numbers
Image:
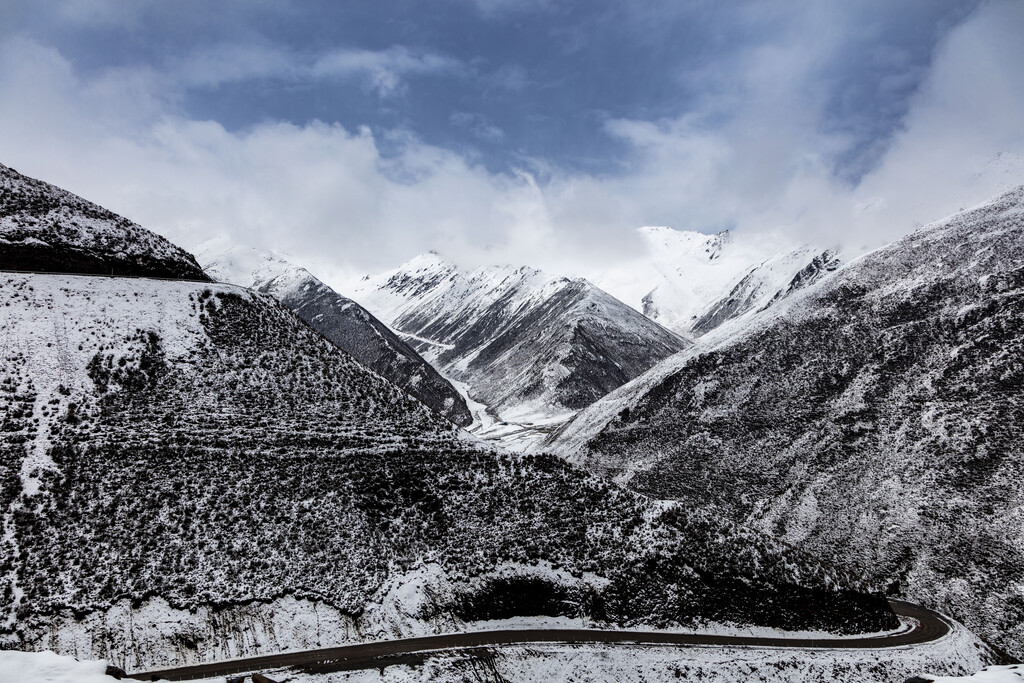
[
  {"x": 875, "y": 420},
  {"x": 529, "y": 346},
  {"x": 44, "y": 228},
  {"x": 341, "y": 320},
  {"x": 189, "y": 471},
  {"x": 691, "y": 282}
]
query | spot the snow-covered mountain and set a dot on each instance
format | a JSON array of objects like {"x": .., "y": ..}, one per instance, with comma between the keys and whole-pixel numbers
[
  {"x": 47, "y": 229},
  {"x": 189, "y": 471},
  {"x": 875, "y": 420},
  {"x": 528, "y": 345},
  {"x": 691, "y": 282},
  {"x": 341, "y": 320}
]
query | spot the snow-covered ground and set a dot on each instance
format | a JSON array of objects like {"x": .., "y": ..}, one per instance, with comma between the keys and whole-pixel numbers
[
  {"x": 48, "y": 667},
  {"x": 990, "y": 674},
  {"x": 560, "y": 663},
  {"x": 958, "y": 654}
]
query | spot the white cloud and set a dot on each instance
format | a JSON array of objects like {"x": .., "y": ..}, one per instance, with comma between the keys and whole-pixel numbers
[
  {"x": 384, "y": 68},
  {"x": 754, "y": 155},
  {"x": 383, "y": 71}
]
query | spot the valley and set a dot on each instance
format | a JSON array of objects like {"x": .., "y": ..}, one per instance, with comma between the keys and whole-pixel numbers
[{"x": 192, "y": 457}]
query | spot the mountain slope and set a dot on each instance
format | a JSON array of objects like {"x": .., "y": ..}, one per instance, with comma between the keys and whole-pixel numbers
[
  {"x": 171, "y": 450},
  {"x": 764, "y": 285},
  {"x": 44, "y": 228},
  {"x": 874, "y": 420},
  {"x": 343, "y": 321},
  {"x": 527, "y": 344},
  {"x": 691, "y": 282}
]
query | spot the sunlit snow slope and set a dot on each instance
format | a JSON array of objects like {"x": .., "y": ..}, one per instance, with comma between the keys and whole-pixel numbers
[{"x": 691, "y": 282}]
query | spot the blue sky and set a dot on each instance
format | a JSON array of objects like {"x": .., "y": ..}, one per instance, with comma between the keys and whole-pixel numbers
[{"x": 511, "y": 129}]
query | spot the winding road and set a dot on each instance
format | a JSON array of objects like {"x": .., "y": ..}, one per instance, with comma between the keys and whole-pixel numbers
[{"x": 378, "y": 654}]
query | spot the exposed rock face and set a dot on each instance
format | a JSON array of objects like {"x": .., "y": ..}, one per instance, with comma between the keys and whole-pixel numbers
[
  {"x": 200, "y": 446},
  {"x": 524, "y": 342},
  {"x": 44, "y": 228},
  {"x": 874, "y": 420},
  {"x": 350, "y": 326}
]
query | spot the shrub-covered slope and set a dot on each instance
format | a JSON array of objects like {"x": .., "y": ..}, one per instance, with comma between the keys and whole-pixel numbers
[
  {"x": 876, "y": 421},
  {"x": 202, "y": 444},
  {"x": 44, "y": 228},
  {"x": 350, "y": 326}
]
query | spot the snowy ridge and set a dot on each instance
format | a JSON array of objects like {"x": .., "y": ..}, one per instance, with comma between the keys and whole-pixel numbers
[
  {"x": 691, "y": 282},
  {"x": 531, "y": 347},
  {"x": 45, "y": 228},
  {"x": 341, "y": 320},
  {"x": 894, "y": 380}
]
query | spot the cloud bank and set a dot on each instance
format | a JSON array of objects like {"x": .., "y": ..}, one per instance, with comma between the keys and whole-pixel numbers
[{"x": 755, "y": 154}]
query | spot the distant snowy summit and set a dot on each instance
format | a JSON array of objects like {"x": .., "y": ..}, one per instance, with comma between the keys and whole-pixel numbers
[
  {"x": 692, "y": 282},
  {"x": 47, "y": 229},
  {"x": 341, "y": 320},
  {"x": 530, "y": 346}
]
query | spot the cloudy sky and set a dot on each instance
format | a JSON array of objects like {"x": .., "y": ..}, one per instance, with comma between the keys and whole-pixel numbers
[{"x": 354, "y": 135}]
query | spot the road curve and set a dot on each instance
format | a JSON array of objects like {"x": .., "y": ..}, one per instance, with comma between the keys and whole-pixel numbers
[{"x": 931, "y": 626}]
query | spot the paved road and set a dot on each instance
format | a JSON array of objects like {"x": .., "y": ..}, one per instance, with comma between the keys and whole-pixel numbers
[{"x": 932, "y": 626}]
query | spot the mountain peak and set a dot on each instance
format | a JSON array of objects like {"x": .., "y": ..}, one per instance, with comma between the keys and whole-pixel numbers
[{"x": 427, "y": 261}]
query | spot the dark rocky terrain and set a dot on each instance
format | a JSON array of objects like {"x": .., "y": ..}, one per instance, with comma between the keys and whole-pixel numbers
[
  {"x": 341, "y": 320},
  {"x": 874, "y": 421},
  {"x": 44, "y": 228}
]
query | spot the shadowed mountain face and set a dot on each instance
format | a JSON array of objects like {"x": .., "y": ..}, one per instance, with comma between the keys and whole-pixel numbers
[
  {"x": 343, "y": 321},
  {"x": 875, "y": 420},
  {"x": 44, "y": 228},
  {"x": 526, "y": 344}
]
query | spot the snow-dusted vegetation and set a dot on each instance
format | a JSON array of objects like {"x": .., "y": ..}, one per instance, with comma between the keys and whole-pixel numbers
[
  {"x": 201, "y": 445},
  {"x": 874, "y": 420},
  {"x": 44, "y": 228}
]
